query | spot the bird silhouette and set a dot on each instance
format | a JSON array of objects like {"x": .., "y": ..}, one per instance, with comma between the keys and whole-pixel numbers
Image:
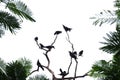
[
  {"x": 39, "y": 65},
  {"x": 36, "y": 38},
  {"x": 63, "y": 73},
  {"x": 81, "y": 53},
  {"x": 66, "y": 28},
  {"x": 61, "y": 70},
  {"x": 73, "y": 54},
  {"x": 49, "y": 47},
  {"x": 57, "y": 32},
  {"x": 41, "y": 46}
]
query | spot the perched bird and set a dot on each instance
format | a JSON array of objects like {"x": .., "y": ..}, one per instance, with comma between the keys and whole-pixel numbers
[
  {"x": 39, "y": 65},
  {"x": 73, "y": 55},
  {"x": 66, "y": 28},
  {"x": 63, "y": 73},
  {"x": 36, "y": 38},
  {"x": 81, "y": 53},
  {"x": 49, "y": 47},
  {"x": 57, "y": 32},
  {"x": 41, "y": 46}
]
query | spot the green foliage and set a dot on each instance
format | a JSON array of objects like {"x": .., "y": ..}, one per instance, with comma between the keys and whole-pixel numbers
[
  {"x": 106, "y": 16},
  {"x": 2, "y": 65},
  {"x": 20, "y": 9},
  {"x": 103, "y": 70},
  {"x": 3, "y": 74},
  {"x": 16, "y": 71},
  {"x": 7, "y": 21},
  {"x": 117, "y": 3},
  {"x": 1, "y": 31},
  {"x": 112, "y": 43},
  {"x": 106, "y": 70},
  {"x": 38, "y": 77},
  {"x": 98, "y": 69},
  {"x": 11, "y": 21},
  {"x": 27, "y": 64}
]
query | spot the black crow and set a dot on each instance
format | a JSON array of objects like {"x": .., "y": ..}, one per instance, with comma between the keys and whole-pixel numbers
[
  {"x": 66, "y": 28},
  {"x": 81, "y": 53},
  {"x": 39, "y": 65},
  {"x": 41, "y": 46},
  {"x": 49, "y": 47},
  {"x": 72, "y": 55},
  {"x": 63, "y": 73},
  {"x": 61, "y": 70},
  {"x": 57, "y": 32},
  {"x": 36, "y": 38},
  {"x": 75, "y": 52}
]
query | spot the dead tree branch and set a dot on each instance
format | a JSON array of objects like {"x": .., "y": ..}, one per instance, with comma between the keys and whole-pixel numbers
[
  {"x": 72, "y": 52},
  {"x": 69, "y": 78}
]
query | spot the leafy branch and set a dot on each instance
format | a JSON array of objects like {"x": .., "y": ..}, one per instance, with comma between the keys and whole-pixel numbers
[
  {"x": 15, "y": 12},
  {"x": 106, "y": 16}
]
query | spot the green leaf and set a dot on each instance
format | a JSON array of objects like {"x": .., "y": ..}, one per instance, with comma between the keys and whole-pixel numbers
[
  {"x": 27, "y": 64},
  {"x": 3, "y": 67},
  {"x": 2, "y": 32},
  {"x": 20, "y": 9},
  {"x": 16, "y": 71},
  {"x": 112, "y": 44},
  {"x": 9, "y": 22},
  {"x": 104, "y": 17},
  {"x": 38, "y": 77}
]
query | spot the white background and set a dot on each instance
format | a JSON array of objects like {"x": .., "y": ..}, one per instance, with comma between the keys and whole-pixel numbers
[{"x": 49, "y": 16}]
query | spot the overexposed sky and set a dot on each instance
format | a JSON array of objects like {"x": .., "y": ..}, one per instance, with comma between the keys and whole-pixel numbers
[{"x": 49, "y": 16}]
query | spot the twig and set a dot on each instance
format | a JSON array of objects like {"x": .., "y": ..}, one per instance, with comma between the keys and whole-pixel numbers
[
  {"x": 54, "y": 40},
  {"x": 48, "y": 49},
  {"x": 75, "y": 69},
  {"x": 33, "y": 71},
  {"x": 39, "y": 46},
  {"x": 68, "y": 78},
  {"x": 68, "y": 39},
  {"x": 46, "y": 55},
  {"x": 53, "y": 75},
  {"x": 69, "y": 66}
]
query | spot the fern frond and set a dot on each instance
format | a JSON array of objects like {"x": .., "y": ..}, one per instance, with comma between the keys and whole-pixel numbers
[
  {"x": 104, "y": 17},
  {"x": 99, "y": 68},
  {"x": 9, "y": 22},
  {"x": 2, "y": 67},
  {"x": 112, "y": 43},
  {"x": 20, "y": 9}
]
